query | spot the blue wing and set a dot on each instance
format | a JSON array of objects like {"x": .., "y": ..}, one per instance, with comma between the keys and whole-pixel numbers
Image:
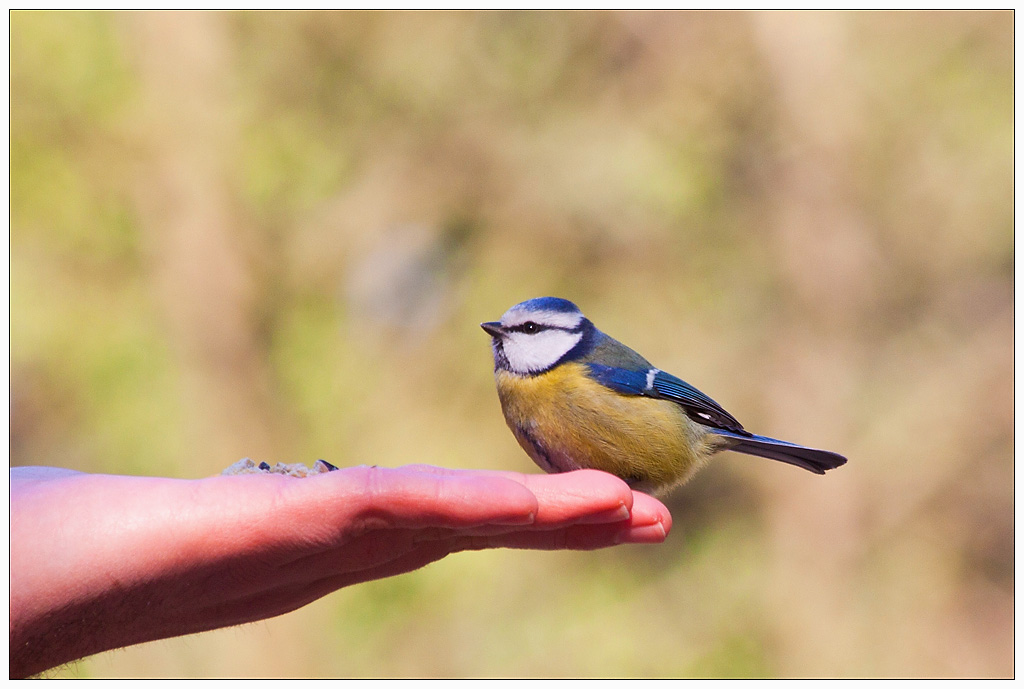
[
  {"x": 657, "y": 384},
  {"x": 660, "y": 385}
]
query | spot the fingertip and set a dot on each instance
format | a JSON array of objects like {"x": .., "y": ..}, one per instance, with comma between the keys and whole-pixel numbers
[
  {"x": 602, "y": 480},
  {"x": 651, "y": 533},
  {"x": 648, "y": 510},
  {"x": 586, "y": 496},
  {"x": 616, "y": 514},
  {"x": 521, "y": 519}
]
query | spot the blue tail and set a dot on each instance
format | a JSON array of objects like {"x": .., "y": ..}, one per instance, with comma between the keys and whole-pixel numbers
[{"x": 818, "y": 461}]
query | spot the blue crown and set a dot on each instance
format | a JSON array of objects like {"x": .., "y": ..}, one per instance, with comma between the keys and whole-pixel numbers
[{"x": 550, "y": 304}]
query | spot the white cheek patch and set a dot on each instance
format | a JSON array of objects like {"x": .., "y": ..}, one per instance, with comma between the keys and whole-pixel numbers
[{"x": 536, "y": 352}]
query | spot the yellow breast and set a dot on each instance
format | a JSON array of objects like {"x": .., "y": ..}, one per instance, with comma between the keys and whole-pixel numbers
[{"x": 565, "y": 420}]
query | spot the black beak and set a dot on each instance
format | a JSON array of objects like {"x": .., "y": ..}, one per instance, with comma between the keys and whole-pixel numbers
[{"x": 493, "y": 329}]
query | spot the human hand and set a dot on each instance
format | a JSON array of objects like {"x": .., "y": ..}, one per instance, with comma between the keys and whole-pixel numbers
[{"x": 99, "y": 562}]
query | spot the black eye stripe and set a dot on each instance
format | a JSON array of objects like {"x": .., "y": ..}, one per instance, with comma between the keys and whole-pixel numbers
[
  {"x": 527, "y": 327},
  {"x": 531, "y": 327}
]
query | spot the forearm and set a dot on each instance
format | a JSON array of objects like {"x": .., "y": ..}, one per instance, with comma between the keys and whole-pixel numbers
[
  {"x": 100, "y": 562},
  {"x": 74, "y": 628}
]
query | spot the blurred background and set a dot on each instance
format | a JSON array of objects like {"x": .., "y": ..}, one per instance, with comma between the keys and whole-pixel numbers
[{"x": 274, "y": 236}]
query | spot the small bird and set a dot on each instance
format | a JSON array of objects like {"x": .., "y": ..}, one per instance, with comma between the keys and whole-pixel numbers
[{"x": 575, "y": 398}]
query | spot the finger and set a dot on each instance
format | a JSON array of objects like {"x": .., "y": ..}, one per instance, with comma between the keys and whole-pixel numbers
[
  {"x": 648, "y": 522},
  {"x": 577, "y": 537},
  {"x": 585, "y": 496},
  {"x": 577, "y": 497},
  {"x": 413, "y": 498},
  {"x": 648, "y": 511}
]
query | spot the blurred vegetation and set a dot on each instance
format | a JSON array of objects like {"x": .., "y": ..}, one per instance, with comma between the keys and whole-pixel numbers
[{"x": 274, "y": 235}]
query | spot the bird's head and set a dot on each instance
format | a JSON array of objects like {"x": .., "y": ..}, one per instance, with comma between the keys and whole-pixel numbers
[{"x": 536, "y": 335}]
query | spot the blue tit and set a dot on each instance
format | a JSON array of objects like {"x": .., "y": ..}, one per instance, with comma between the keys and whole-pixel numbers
[{"x": 575, "y": 398}]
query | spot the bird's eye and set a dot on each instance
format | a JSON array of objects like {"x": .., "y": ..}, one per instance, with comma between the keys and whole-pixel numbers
[{"x": 530, "y": 327}]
